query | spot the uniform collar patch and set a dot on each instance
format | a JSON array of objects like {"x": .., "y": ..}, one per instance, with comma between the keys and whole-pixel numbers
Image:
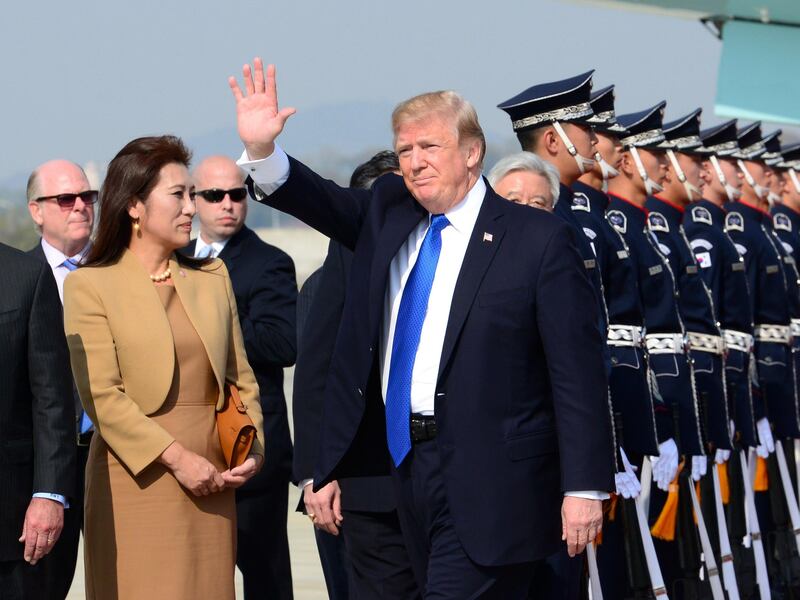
[
  {"x": 580, "y": 201},
  {"x": 783, "y": 222},
  {"x": 734, "y": 222},
  {"x": 657, "y": 222},
  {"x": 618, "y": 220},
  {"x": 700, "y": 214}
]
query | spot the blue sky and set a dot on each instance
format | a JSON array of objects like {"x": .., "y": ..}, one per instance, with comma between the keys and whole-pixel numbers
[{"x": 84, "y": 77}]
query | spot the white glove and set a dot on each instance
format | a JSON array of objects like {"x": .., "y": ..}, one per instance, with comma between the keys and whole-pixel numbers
[
  {"x": 766, "y": 444},
  {"x": 722, "y": 456},
  {"x": 699, "y": 467},
  {"x": 628, "y": 485},
  {"x": 665, "y": 465}
]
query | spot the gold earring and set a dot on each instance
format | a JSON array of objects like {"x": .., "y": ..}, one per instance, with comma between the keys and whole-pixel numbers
[{"x": 136, "y": 225}]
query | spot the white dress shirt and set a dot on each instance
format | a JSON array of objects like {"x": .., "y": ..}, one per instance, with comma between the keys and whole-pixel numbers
[
  {"x": 55, "y": 258},
  {"x": 272, "y": 172},
  {"x": 215, "y": 247}
]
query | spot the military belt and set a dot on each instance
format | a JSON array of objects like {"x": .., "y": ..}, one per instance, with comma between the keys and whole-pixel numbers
[
  {"x": 777, "y": 334},
  {"x": 665, "y": 343},
  {"x": 705, "y": 342},
  {"x": 796, "y": 327},
  {"x": 738, "y": 340},
  {"x": 626, "y": 335}
]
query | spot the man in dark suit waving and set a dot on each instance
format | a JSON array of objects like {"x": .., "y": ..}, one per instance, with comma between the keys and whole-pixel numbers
[
  {"x": 469, "y": 346},
  {"x": 265, "y": 287},
  {"x": 37, "y": 436}
]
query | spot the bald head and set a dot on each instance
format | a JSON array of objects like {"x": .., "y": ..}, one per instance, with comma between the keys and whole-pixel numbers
[
  {"x": 51, "y": 174},
  {"x": 219, "y": 220},
  {"x": 67, "y": 228}
]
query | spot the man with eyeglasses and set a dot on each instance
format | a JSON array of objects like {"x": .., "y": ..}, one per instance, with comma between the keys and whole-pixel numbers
[
  {"x": 61, "y": 203},
  {"x": 265, "y": 287}
]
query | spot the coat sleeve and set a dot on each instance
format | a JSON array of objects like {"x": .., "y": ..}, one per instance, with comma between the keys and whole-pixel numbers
[
  {"x": 52, "y": 411},
  {"x": 238, "y": 371},
  {"x": 135, "y": 438},
  {"x": 332, "y": 210},
  {"x": 567, "y": 318}
]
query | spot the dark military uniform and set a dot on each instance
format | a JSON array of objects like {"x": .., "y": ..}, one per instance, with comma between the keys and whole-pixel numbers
[{"x": 723, "y": 271}]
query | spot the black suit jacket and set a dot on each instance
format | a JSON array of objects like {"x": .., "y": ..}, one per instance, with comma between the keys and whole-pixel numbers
[
  {"x": 37, "y": 435},
  {"x": 265, "y": 287},
  {"x": 520, "y": 400},
  {"x": 38, "y": 252},
  {"x": 325, "y": 292}
]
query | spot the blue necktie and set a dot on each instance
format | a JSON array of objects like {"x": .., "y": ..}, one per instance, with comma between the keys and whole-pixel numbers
[
  {"x": 410, "y": 317},
  {"x": 86, "y": 422}
]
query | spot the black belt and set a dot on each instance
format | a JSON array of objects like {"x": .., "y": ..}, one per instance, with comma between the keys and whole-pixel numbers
[
  {"x": 84, "y": 439},
  {"x": 423, "y": 428}
]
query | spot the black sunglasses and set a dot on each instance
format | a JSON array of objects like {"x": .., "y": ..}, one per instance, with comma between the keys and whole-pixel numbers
[
  {"x": 67, "y": 201},
  {"x": 217, "y": 195}
]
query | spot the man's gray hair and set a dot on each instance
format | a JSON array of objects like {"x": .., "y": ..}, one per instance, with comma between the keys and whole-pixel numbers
[{"x": 526, "y": 161}]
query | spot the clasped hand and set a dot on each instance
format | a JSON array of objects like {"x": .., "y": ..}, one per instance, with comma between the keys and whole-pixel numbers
[{"x": 202, "y": 478}]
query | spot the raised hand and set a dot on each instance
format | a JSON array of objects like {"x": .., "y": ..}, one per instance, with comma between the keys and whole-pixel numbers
[{"x": 257, "y": 115}]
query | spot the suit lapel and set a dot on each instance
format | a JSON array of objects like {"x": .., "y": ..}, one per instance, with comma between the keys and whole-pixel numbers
[
  {"x": 483, "y": 244},
  {"x": 401, "y": 220},
  {"x": 233, "y": 249}
]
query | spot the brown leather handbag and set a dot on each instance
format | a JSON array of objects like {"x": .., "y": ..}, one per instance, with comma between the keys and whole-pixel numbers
[{"x": 236, "y": 430}]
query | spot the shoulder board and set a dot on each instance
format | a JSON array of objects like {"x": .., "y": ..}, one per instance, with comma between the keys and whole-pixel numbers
[
  {"x": 700, "y": 214},
  {"x": 618, "y": 220},
  {"x": 657, "y": 222},
  {"x": 783, "y": 222},
  {"x": 734, "y": 222},
  {"x": 580, "y": 201}
]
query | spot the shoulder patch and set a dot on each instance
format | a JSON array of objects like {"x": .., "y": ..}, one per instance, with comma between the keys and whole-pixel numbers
[
  {"x": 590, "y": 233},
  {"x": 618, "y": 220},
  {"x": 741, "y": 249},
  {"x": 703, "y": 259},
  {"x": 657, "y": 222},
  {"x": 781, "y": 221},
  {"x": 700, "y": 214},
  {"x": 734, "y": 222},
  {"x": 664, "y": 249},
  {"x": 580, "y": 201},
  {"x": 788, "y": 248}
]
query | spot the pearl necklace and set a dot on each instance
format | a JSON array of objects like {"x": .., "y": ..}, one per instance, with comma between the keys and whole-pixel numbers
[{"x": 161, "y": 276}]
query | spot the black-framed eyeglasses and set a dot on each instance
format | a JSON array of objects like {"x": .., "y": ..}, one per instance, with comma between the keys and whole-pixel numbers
[
  {"x": 67, "y": 201},
  {"x": 218, "y": 195}
]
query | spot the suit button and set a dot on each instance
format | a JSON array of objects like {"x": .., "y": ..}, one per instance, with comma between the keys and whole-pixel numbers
[
  {"x": 370, "y": 349},
  {"x": 360, "y": 393}
]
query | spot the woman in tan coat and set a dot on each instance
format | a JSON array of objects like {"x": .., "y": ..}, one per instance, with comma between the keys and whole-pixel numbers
[{"x": 154, "y": 339}]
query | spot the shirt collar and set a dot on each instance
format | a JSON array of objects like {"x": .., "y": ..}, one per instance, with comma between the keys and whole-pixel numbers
[
  {"x": 215, "y": 246},
  {"x": 55, "y": 258},
  {"x": 463, "y": 215}
]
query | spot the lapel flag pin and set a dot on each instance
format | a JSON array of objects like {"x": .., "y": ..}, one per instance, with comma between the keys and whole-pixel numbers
[{"x": 487, "y": 237}]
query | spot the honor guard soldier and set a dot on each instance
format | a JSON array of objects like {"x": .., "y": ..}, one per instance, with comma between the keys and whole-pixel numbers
[
  {"x": 786, "y": 226},
  {"x": 642, "y": 172},
  {"x": 749, "y": 225},
  {"x": 723, "y": 270},
  {"x": 624, "y": 570},
  {"x": 551, "y": 120},
  {"x": 682, "y": 185}
]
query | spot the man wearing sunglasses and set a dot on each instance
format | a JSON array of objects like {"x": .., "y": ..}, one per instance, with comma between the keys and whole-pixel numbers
[
  {"x": 61, "y": 203},
  {"x": 265, "y": 287}
]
